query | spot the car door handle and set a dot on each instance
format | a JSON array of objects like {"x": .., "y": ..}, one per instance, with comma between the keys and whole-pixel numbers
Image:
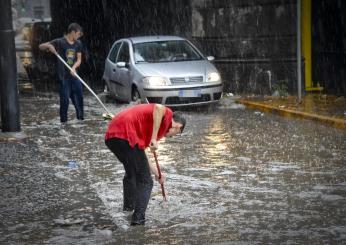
[{"x": 114, "y": 70}]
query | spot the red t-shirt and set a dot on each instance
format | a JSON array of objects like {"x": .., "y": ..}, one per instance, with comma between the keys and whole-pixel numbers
[{"x": 135, "y": 124}]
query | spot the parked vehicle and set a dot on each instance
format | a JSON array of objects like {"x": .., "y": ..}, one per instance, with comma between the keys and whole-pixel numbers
[
  {"x": 24, "y": 25},
  {"x": 39, "y": 66},
  {"x": 161, "y": 69}
]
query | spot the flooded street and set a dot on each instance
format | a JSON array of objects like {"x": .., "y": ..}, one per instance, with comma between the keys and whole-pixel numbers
[{"x": 235, "y": 176}]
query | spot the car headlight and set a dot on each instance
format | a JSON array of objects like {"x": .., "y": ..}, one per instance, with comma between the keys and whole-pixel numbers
[
  {"x": 156, "y": 81},
  {"x": 213, "y": 77}
]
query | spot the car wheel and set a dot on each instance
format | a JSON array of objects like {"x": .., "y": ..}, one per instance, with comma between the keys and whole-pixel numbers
[{"x": 135, "y": 94}]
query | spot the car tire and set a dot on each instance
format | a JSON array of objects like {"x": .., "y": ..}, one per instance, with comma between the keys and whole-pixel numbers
[{"x": 135, "y": 94}]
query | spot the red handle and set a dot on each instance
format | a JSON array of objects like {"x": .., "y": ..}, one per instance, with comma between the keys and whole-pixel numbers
[{"x": 159, "y": 171}]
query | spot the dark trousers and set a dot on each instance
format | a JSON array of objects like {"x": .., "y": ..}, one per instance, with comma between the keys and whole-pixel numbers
[
  {"x": 137, "y": 182},
  {"x": 71, "y": 88}
]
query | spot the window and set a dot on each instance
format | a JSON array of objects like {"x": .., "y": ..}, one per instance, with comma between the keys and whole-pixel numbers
[
  {"x": 114, "y": 52},
  {"x": 124, "y": 54},
  {"x": 38, "y": 12}
]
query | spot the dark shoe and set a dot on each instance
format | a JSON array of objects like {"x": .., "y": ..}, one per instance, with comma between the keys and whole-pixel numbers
[
  {"x": 138, "y": 222},
  {"x": 138, "y": 219}
]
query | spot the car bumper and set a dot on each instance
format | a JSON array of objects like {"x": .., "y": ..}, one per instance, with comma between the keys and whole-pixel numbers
[{"x": 184, "y": 96}]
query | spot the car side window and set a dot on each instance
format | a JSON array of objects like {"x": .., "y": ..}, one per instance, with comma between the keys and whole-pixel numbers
[
  {"x": 114, "y": 52},
  {"x": 124, "y": 53}
]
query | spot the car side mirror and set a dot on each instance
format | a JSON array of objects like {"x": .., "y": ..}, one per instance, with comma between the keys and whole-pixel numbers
[
  {"x": 121, "y": 64},
  {"x": 210, "y": 58}
]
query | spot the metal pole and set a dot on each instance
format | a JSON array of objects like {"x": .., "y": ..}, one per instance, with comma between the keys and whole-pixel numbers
[
  {"x": 8, "y": 71},
  {"x": 299, "y": 52}
]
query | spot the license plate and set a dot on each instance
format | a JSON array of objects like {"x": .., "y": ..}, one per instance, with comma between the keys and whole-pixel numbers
[{"x": 190, "y": 93}]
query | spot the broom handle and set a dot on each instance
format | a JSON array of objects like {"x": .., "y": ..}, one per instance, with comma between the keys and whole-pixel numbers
[{"x": 159, "y": 172}]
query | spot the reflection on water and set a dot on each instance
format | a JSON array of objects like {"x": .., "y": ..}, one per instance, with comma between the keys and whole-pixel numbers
[
  {"x": 233, "y": 177},
  {"x": 217, "y": 140}
]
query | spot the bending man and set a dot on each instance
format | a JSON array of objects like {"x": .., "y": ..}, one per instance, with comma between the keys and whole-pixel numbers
[{"x": 127, "y": 136}]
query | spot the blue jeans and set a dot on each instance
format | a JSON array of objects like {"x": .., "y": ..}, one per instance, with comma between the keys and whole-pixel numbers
[
  {"x": 137, "y": 182},
  {"x": 71, "y": 88}
]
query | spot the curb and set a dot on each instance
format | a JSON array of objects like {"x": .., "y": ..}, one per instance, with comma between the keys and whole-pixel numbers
[{"x": 335, "y": 122}]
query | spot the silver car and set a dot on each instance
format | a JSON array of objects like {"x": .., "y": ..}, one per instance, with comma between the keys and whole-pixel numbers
[{"x": 161, "y": 69}]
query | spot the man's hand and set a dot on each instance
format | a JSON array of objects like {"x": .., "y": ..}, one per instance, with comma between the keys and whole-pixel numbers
[
  {"x": 73, "y": 71},
  {"x": 47, "y": 47},
  {"x": 153, "y": 145},
  {"x": 52, "y": 49},
  {"x": 162, "y": 180}
]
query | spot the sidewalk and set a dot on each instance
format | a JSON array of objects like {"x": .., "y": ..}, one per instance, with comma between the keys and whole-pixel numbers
[{"x": 329, "y": 109}]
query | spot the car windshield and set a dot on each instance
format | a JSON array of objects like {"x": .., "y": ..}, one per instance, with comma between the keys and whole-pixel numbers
[{"x": 165, "y": 51}]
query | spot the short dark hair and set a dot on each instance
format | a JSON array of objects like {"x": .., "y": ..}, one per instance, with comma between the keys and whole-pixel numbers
[
  {"x": 74, "y": 27},
  {"x": 178, "y": 117}
]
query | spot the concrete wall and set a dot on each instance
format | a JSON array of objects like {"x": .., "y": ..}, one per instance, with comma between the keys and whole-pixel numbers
[
  {"x": 37, "y": 9},
  {"x": 253, "y": 41}
]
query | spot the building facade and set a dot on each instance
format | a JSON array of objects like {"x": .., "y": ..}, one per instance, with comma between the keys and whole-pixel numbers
[{"x": 254, "y": 42}]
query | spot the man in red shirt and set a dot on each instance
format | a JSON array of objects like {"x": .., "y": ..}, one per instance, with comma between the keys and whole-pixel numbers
[{"x": 127, "y": 136}]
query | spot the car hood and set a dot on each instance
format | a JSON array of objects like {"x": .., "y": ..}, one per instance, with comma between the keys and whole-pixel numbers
[{"x": 176, "y": 69}]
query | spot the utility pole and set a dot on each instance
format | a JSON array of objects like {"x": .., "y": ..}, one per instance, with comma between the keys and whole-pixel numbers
[
  {"x": 8, "y": 71},
  {"x": 299, "y": 51}
]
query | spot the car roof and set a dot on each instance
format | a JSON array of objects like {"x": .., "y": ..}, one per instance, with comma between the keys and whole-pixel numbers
[{"x": 144, "y": 39}]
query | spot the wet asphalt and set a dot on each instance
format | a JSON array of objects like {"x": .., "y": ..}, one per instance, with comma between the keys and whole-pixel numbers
[{"x": 235, "y": 176}]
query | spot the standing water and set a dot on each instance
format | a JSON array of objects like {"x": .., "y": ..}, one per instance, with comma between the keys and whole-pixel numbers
[{"x": 235, "y": 176}]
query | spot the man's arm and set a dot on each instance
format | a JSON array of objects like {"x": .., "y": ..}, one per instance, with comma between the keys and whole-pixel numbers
[
  {"x": 77, "y": 64},
  {"x": 47, "y": 47},
  {"x": 158, "y": 114}
]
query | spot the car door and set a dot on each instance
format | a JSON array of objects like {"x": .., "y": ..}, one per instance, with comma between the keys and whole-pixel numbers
[
  {"x": 123, "y": 73},
  {"x": 111, "y": 70}
]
